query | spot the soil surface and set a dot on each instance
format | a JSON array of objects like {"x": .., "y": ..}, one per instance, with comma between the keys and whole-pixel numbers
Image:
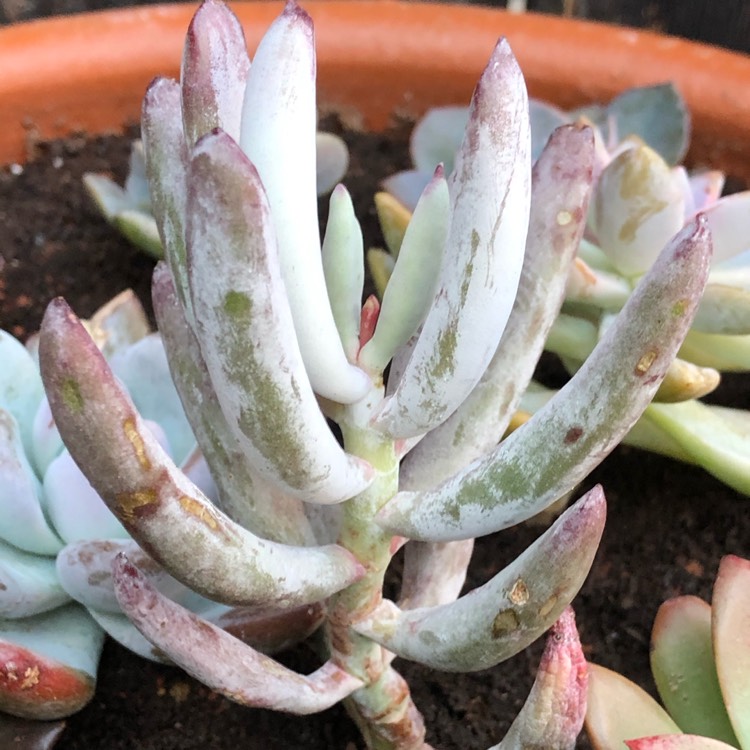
[{"x": 669, "y": 524}]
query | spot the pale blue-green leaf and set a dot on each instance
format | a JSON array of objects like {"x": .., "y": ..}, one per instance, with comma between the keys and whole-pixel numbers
[
  {"x": 544, "y": 119},
  {"x": 246, "y": 332},
  {"x": 561, "y": 186},
  {"x": 278, "y": 136},
  {"x": 572, "y": 337},
  {"x": 573, "y": 432},
  {"x": 139, "y": 228},
  {"x": 437, "y": 137},
  {"x": 118, "y": 627},
  {"x": 331, "y": 161},
  {"x": 408, "y": 185},
  {"x": 221, "y": 661},
  {"x": 108, "y": 196},
  {"x": 29, "y": 584},
  {"x": 414, "y": 281},
  {"x": 490, "y": 197},
  {"x": 343, "y": 252},
  {"x": 638, "y": 207},
  {"x": 47, "y": 440},
  {"x": 22, "y": 521},
  {"x": 497, "y": 620},
  {"x": 723, "y": 353}
]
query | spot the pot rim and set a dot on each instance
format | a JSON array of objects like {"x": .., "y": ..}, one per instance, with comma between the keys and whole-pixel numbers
[{"x": 88, "y": 72}]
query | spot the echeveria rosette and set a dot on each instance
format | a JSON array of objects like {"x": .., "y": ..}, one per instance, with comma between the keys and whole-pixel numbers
[
  {"x": 700, "y": 661},
  {"x": 267, "y": 339},
  {"x": 641, "y": 199}
]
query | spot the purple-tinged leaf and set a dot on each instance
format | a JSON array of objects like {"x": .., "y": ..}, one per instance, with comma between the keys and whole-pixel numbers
[
  {"x": 247, "y": 498},
  {"x": 618, "y": 710},
  {"x": 278, "y": 136},
  {"x": 584, "y": 421},
  {"x": 214, "y": 72},
  {"x": 730, "y": 619},
  {"x": 48, "y": 663},
  {"x": 415, "y": 277},
  {"x": 157, "y": 504},
  {"x": 221, "y": 661},
  {"x": 553, "y": 714},
  {"x": 502, "y": 617},
  {"x": 561, "y": 187},
  {"x": 246, "y": 333},
  {"x": 490, "y": 195},
  {"x": 677, "y": 742},
  {"x": 434, "y": 573},
  {"x": 706, "y": 188},
  {"x": 682, "y": 662},
  {"x": 729, "y": 221},
  {"x": 166, "y": 164}
]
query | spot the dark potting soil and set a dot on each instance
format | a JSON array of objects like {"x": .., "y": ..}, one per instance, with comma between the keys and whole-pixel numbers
[{"x": 669, "y": 524}]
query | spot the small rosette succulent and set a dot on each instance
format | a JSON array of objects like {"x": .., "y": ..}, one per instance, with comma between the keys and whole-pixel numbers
[
  {"x": 641, "y": 198},
  {"x": 269, "y": 343},
  {"x": 700, "y": 659}
]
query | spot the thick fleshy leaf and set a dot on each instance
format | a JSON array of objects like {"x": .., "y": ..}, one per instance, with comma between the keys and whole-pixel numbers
[
  {"x": 677, "y": 742},
  {"x": 381, "y": 265},
  {"x": 553, "y": 714},
  {"x": 592, "y": 286},
  {"x": 278, "y": 135},
  {"x": 723, "y": 353},
  {"x": 415, "y": 277},
  {"x": 638, "y": 207},
  {"x": 574, "y": 431},
  {"x": 28, "y": 584},
  {"x": 166, "y": 164},
  {"x": 20, "y": 386},
  {"x": 157, "y": 504},
  {"x": 497, "y": 620},
  {"x": 246, "y": 334},
  {"x": 561, "y": 185},
  {"x": 343, "y": 268},
  {"x": 706, "y": 188},
  {"x": 118, "y": 324},
  {"x": 437, "y": 137},
  {"x": 730, "y": 610},
  {"x": 394, "y": 218},
  {"x": 724, "y": 309},
  {"x": 118, "y": 627},
  {"x": 47, "y": 441},
  {"x": 685, "y": 381},
  {"x": 48, "y": 663},
  {"x": 247, "y": 498},
  {"x": 434, "y": 573},
  {"x": 141, "y": 230},
  {"x": 682, "y": 662},
  {"x": 22, "y": 521},
  {"x": 406, "y": 187},
  {"x": 221, "y": 661},
  {"x": 729, "y": 221},
  {"x": 618, "y": 710},
  {"x": 572, "y": 337},
  {"x": 490, "y": 196},
  {"x": 332, "y": 161},
  {"x": 214, "y": 72}
]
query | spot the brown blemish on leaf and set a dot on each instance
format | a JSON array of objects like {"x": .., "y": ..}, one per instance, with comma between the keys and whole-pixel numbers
[
  {"x": 505, "y": 622},
  {"x": 519, "y": 594},
  {"x": 30, "y": 677},
  {"x": 548, "y": 606},
  {"x": 135, "y": 439},
  {"x": 130, "y": 502},
  {"x": 199, "y": 510},
  {"x": 582, "y": 267},
  {"x": 573, "y": 435},
  {"x": 679, "y": 308},
  {"x": 645, "y": 362}
]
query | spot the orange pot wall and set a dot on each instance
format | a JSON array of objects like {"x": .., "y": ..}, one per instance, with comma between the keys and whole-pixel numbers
[{"x": 375, "y": 58}]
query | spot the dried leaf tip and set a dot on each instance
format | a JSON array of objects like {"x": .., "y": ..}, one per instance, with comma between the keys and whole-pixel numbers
[{"x": 296, "y": 13}]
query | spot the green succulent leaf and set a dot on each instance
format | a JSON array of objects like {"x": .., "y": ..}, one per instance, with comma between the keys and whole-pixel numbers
[{"x": 682, "y": 662}]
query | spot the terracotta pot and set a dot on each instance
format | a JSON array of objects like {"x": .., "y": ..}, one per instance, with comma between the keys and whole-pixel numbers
[{"x": 375, "y": 59}]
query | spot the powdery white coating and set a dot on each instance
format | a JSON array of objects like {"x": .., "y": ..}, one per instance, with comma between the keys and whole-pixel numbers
[
  {"x": 561, "y": 184},
  {"x": 246, "y": 332},
  {"x": 490, "y": 196},
  {"x": 278, "y": 135},
  {"x": 221, "y": 661},
  {"x": 215, "y": 66},
  {"x": 495, "y": 621},
  {"x": 157, "y": 504},
  {"x": 576, "y": 429}
]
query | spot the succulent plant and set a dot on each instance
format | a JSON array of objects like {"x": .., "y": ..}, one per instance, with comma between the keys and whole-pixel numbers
[
  {"x": 269, "y": 343},
  {"x": 700, "y": 659},
  {"x": 641, "y": 198}
]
